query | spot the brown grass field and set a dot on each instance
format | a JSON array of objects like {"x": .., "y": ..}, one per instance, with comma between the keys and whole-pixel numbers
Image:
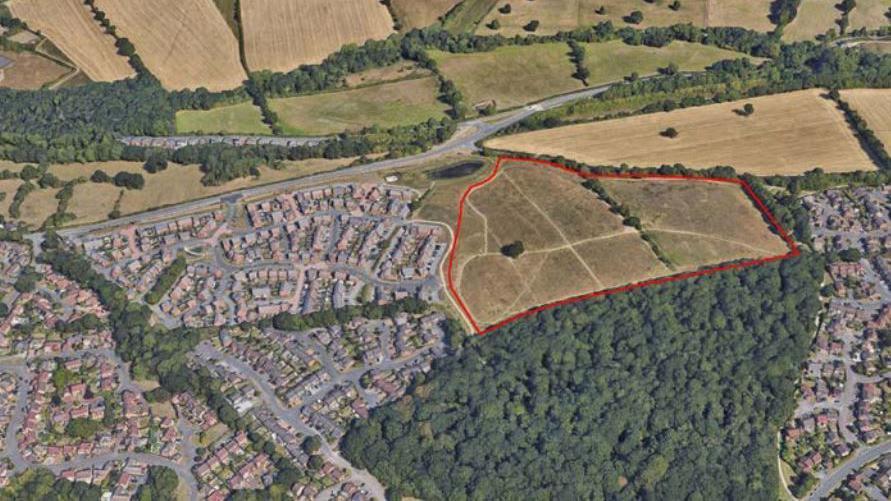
[
  {"x": 869, "y": 14},
  {"x": 697, "y": 223},
  {"x": 815, "y": 17},
  {"x": 421, "y": 13},
  {"x": 280, "y": 35},
  {"x": 39, "y": 205},
  {"x": 9, "y": 187},
  {"x": 877, "y": 47},
  {"x": 566, "y": 15},
  {"x": 539, "y": 71},
  {"x": 575, "y": 245},
  {"x": 391, "y": 73},
  {"x": 874, "y": 105},
  {"x": 30, "y": 71},
  {"x": 71, "y": 27},
  {"x": 185, "y": 43},
  {"x": 788, "y": 134}
]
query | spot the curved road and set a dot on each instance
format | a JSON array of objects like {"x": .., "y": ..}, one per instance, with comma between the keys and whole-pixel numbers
[
  {"x": 465, "y": 138},
  {"x": 858, "y": 459}
]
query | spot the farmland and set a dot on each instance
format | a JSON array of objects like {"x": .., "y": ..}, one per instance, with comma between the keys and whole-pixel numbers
[
  {"x": 787, "y": 134},
  {"x": 185, "y": 43},
  {"x": 242, "y": 118},
  {"x": 280, "y": 35},
  {"x": 874, "y": 105},
  {"x": 418, "y": 14},
  {"x": 511, "y": 76},
  {"x": 612, "y": 61},
  {"x": 30, "y": 71},
  {"x": 399, "y": 103},
  {"x": 870, "y": 14},
  {"x": 751, "y": 14},
  {"x": 71, "y": 27},
  {"x": 815, "y": 17},
  {"x": 575, "y": 244}
]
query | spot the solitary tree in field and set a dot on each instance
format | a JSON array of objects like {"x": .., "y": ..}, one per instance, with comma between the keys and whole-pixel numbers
[
  {"x": 602, "y": 10},
  {"x": 676, "y": 5},
  {"x": 670, "y": 133},
  {"x": 748, "y": 109},
  {"x": 505, "y": 9},
  {"x": 513, "y": 250},
  {"x": 531, "y": 26},
  {"x": 494, "y": 25}
]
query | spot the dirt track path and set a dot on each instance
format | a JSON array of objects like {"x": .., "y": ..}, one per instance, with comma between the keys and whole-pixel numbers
[{"x": 711, "y": 237}]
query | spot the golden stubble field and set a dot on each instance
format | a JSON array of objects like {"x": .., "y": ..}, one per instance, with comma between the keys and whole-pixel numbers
[
  {"x": 575, "y": 245},
  {"x": 421, "y": 13},
  {"x": 874, "y": 105},
  {"x": 71, "y": 27},
  {"x": 566, "y": 15},
  {"x": 185, "y": 43},
  {"x": 280, "y": 35},
  {"x": 788, "y": 134}
]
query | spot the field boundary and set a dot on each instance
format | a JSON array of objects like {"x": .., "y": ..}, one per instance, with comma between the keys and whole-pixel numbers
[{"x": 759, "y": 204}]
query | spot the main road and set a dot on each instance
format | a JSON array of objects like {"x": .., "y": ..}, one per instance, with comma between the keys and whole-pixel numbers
[{"x": 468, "y": 134}]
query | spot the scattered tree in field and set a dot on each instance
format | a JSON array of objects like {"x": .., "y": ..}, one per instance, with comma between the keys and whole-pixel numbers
[
  {"x": 676, "y": 5},
  {"x": 129, "y": 180},
  {"x": 100, "y": 176},
  {"x": 505, "y": 9},
  {"x": 601, "y": 10},
  {"x": 531, "y": 26},
  {"x": 513, "y": 250},
  {"x": 633, "y": 77},
  {"x": 747, "y": 110},
  {"x": 636, "y": 17},
  {"x": 155, "y": 163},
  {"x": 671, "y": 69},
  {"x": 670, "y": 133},
  {"x": 494, "y": 25}
]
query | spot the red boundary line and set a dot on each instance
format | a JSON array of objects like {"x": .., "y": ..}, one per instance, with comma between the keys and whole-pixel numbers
[{"x": 793, "y": 248}]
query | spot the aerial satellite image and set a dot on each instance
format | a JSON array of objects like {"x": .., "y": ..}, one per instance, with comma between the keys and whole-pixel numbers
[{"x": 472, "y": 250}]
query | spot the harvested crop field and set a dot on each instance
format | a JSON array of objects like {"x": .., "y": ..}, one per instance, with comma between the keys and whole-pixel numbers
[
  {"x": 69, "y": 24},
  {"x": 511, "y": 76},
  {"x": 388, "y": 105},
  {"x": 787, "y": 134},
  {"x": 874, "y": 105},
  {"x": 612, "y": 61},
  {"x": 280, "y": 35},
  {"x": 30, "y": 71},
  {"x": 421, "y": 13},
  {"x": 185, "y": 43},
  {"x": 574, "y": 245},
  {"x": 815, "y": 17},
  {"x": 242, "y": 118}
]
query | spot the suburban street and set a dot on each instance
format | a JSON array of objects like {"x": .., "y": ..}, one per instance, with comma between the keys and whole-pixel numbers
[{"x": 858, "y": 459}]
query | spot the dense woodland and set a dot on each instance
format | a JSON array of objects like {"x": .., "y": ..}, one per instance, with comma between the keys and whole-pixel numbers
[{"x": 671, "y": 392}]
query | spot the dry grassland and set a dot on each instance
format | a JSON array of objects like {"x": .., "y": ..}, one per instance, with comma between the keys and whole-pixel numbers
[
  {"x": 39, "y": 205},
  {"x": 520, "y": 204},
  {"x": 93, "y": 202},
  {"x": 574, "y": 244},
  {"x": 392, "y": 73},
  {"x": 751, "y": 14},
  {"x": 511, "y": 76},
  {"x": 870, "y": 14},
  {"x": 280, "y": 35},
  {"x": 421, "y": 13},
  {"x": 698, "y": 223},
  {"x": 815, "y": 17},
  {"x": 9, "y": 187},
  {"x": 874, "y": 105},
  {"x": 30, "y": 71},
  {"x": 71, "y": 27},
  {"x": 877, "y": 47},
  {"x": 185, "y": 43},
  {"x": 788, "y": 134}
]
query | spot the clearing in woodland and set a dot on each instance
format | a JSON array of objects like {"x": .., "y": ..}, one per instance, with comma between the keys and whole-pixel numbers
[
  {"x": 510, "y": 76},
  {"x": 242, "y": 118},
  {"x": 420, "y": 13},
  {"x": 185, "y": 43},
  {"x": 280, "y": 35},
  {"x": 574, "y": 245},
  {"x": 787, "y": 134},
  {"x": 567, "y": 15},
  {"x": 69, "y": 24},
  {"x": 874, "y": 105}
]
